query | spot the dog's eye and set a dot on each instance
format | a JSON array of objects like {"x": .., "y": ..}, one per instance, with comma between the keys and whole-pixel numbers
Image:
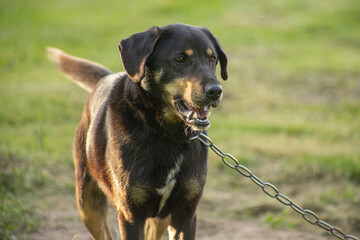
[
  {"x": 180, "y": 59},
  {"x": 212, "y": 59}
]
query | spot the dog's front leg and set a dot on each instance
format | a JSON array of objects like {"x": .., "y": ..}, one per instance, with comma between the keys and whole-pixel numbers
[
  {"x": 131, "y": 230},
  {"x": 182, "y": 228}
]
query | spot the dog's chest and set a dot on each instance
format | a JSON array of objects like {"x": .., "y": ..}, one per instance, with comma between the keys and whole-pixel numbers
[
  {"x": 160, "y": 177},
  {"x": 164, "y": 186},
  {"x": 165, "y": 191}
]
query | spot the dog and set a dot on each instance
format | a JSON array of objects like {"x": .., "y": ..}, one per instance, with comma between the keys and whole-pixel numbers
[{"x": 135, "y": 143}]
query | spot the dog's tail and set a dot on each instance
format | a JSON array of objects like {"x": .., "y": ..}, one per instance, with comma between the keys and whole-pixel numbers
[{"x": 83, "y": 72}]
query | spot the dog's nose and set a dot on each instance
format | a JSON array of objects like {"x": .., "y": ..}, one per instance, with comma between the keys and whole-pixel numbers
[{"x": 213, "y": 92}]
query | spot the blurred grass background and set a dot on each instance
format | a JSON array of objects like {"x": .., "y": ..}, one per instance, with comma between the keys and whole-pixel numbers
[{"x": 290, "y": 112}]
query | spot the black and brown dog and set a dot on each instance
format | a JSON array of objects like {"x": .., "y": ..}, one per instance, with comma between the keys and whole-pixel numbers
[{"x": 133, "y": 145}]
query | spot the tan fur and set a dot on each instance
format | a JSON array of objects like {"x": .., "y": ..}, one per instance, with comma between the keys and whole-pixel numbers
[
  {"x": 176, "y": 87},
  {"x": 188, "y": 90},
  {"x": 83, "y": 72},
  {"x": 155, "y": 227},
  {"x": 193, "y": 187},
  {"x": 94, "y": 213},
  {"x": 158, "y": 75},
  {"x": 189, "y": 52},
  {"x": 175, "y": 235},
  {"x": 172, "y": 89},
  {"x": 139, "y": 193},
  {"x": 184, "y": 87},
  {"x": 209, "y": 52}
]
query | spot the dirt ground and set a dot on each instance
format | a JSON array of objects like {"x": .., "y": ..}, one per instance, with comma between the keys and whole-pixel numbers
[{"x": 61, "y": 221}]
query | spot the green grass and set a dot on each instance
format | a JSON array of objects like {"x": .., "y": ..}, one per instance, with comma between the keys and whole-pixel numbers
[
  {"x": 281, "y": 221},
  {"x": 16, "y": 187},
  {"x": 291, "y": 104}
]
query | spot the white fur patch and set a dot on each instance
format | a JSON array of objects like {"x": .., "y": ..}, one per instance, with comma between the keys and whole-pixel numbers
[
  {"x": 166, "y": 190},
  {"x": 99, "y": 96}
]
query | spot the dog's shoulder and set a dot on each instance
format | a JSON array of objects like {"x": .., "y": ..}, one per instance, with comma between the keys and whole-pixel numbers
[{"x": 103, "y": 91}]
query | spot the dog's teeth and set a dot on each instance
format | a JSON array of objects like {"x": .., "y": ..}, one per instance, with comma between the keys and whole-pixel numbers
[
  {"x": 191, "y": 114},
  {"x": 202, "y": 120},
  {"x": 188, "y": 114},
  {"x": 197, "y": 117}
]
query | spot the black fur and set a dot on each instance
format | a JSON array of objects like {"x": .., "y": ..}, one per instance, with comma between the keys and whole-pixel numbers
[{"x": 134, "y": 138}]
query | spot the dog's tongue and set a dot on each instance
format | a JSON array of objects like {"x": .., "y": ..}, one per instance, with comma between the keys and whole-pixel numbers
[{"x": 201, "y": 112}]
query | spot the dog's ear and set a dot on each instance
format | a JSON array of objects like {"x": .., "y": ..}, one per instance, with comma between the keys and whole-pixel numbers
[
  {"x": 135, "y": 51},
  {"x": 220, "y": 52}
]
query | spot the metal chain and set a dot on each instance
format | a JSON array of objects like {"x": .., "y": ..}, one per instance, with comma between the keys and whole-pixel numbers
[{"x": 270, "y": 190}]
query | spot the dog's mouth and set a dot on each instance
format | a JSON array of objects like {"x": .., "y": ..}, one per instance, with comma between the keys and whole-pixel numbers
[{"x": 195, "y": 117}]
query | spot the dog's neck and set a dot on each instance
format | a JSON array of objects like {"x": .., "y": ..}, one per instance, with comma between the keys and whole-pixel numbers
[{"x": 149, "y": 107}]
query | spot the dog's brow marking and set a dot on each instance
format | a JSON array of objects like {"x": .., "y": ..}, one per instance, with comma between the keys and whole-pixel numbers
[
  {"x": 189, "y": 52},
  {"x": 209, "y": 52},
  {"x": 166, "y": 190}
]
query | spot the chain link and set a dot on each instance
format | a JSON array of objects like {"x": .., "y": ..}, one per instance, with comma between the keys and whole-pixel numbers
[{"x": 270, "y": 190}]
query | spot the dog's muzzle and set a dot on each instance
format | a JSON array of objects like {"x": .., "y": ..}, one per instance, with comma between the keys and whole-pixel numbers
[{"x": 197, "y": 115}]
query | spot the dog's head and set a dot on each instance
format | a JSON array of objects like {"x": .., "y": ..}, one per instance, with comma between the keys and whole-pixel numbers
[{"x": 176, "y": 64}]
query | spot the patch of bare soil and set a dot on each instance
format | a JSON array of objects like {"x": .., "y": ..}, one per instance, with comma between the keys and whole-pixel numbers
[
  {"x": 228, "y": 229},
  {"x": 60, "y": 220}
]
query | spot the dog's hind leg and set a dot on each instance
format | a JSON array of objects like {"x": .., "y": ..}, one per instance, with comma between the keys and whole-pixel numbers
[
  {"x": 91, "y": 201},
  {"x": 155, "y": 227},
  {"x": 93, "y": 211}
]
